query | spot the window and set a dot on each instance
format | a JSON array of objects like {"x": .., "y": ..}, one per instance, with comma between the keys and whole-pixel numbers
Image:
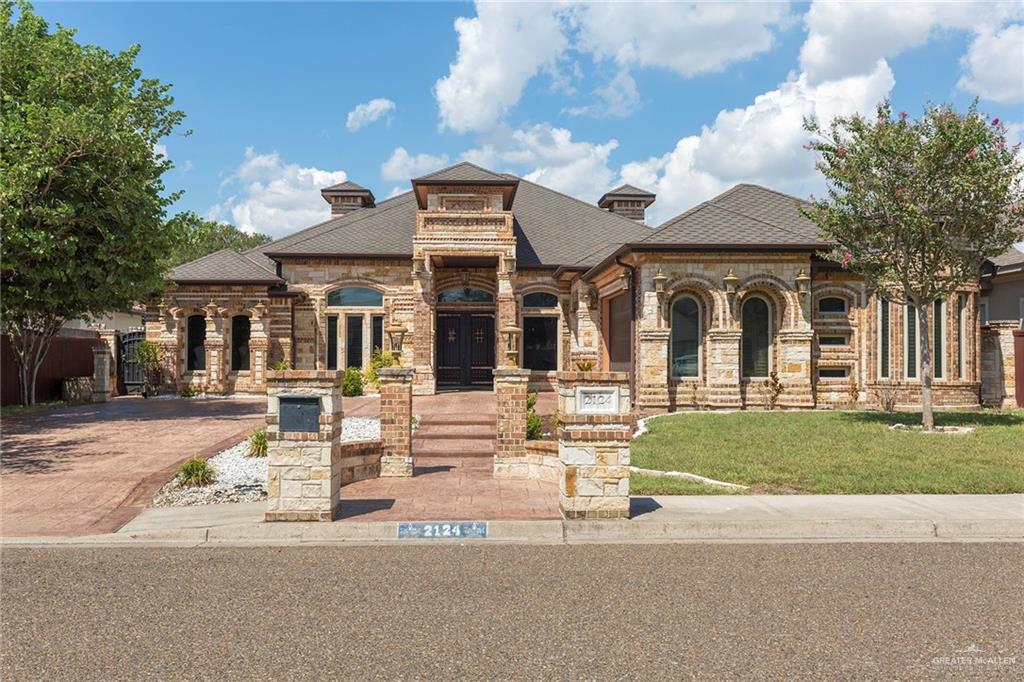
[
  {"x": 756, "y": 339},
  {"x": 540, "y": 343},
  {"x": 883, "y": 338},
  {"x": 377, "y": 333},
  {"x": 833, "y": 372},
  {"x": 240, "y": 343},
  {"x": 983, "y": 310},
  {"x": 910, "y": 341},
  {"x": 354, "y": 341},
  {"x": 332, "y": 342},
  {"x": 832, "y": 341},
  {"x": 685, "y": 343},
  {"x": 832, "y": 304},
  {"x": 196, "y": 352},
  {"x": 465, "y": 295},
  {"x": 961, "y": 326},
  {"x": 540, "y": 300},
  {"x": 939, "y": 340},
  {"x": 355, "y": 297}
]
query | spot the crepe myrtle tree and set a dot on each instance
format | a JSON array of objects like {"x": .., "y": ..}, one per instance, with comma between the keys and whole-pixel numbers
[
  {"x": 916, "y": 206},
  {"x": 81, "y": 196}
]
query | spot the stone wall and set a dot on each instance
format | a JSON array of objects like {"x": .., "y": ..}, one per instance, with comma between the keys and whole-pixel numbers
[
  {"x": 998, "y": 365},
  {"x": 359, "y": 460}
]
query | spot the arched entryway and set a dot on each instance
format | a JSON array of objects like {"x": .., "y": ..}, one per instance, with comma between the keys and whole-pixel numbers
[{"x": 465, "y": 338}]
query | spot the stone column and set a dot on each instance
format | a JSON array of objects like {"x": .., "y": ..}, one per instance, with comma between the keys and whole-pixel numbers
[
  {"x": 652, "y": 373},
  {"x": 395, "y": 421},
  {"x": 259, "y": 349},
  {"x": 422, "y": 325},
  {"x": 795, "y": 368},
  {"x": 109, "y": 338},
  {"x": 101, "y": 390},
  {"x": 593, "y": 444},
  {"x": 723, "y": 368},
  {"x": 506, "y": 311},
  {"x": 171, "y": 343},
  {"x": 304, "y": 467},
  {"x": 510, "y": 387},
  {"x": 214, "y": 345},
  {"x": 998, "y": 370}
]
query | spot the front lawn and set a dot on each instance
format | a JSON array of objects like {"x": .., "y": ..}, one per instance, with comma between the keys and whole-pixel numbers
[{"x": 833, "y": 452}]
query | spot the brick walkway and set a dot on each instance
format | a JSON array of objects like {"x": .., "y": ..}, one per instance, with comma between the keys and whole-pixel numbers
[{"x": 90, "y": 469}]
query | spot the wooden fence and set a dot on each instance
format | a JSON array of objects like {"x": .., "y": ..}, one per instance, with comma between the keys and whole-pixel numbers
[{"x": 69, "y": 356}]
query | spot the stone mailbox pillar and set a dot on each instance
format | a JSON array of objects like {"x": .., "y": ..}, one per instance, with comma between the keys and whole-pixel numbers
[
  {"x": 510, "y": 389},
  {"x": 304, "y": 417},
  {"x": 395, "y": 421},
  {"x": 593, "y": 444},
  {"x": 101, "y": 363}
]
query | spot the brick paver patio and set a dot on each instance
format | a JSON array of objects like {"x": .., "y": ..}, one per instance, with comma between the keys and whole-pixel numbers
[{"x": 92, "y": 468}]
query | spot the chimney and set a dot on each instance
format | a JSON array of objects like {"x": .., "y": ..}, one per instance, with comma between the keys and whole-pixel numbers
[
  {"x": 346, "y": 197},
  {"x": 627, "y": 201}
]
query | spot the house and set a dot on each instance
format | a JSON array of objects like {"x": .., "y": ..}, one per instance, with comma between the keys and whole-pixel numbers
[
  {"x": 1002, "y": 330},
  {"x": 479, "y": 268}
]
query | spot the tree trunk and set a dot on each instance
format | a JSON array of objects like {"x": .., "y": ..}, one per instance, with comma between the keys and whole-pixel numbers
[
  {"x": 924, "y": 335},
  {"x": 30, "y": 347}
]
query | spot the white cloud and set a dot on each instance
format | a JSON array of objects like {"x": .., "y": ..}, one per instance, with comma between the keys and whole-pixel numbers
[
  {"x": 846, "y": 38},
  {"x": 688, "y": 39},
  {"x": 618, "y": 98},
  {"x": 994, "y": 65},
  {"x": 500, "y": 50},
  {"x": 402, "y": 166},
  {"x": 160, "y": 150},
  {"x": 761, "y": 143},
  {"x": 368, "y": 112},
  {"x": 274, "y": 197}
]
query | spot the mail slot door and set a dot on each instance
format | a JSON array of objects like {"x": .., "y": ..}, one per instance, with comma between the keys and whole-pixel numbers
[{"x": 299, "y": 413}]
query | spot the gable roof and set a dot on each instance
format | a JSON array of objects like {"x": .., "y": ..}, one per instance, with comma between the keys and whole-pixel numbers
[
  {"x": 464, "y": 172},
  {"x": 226, "y": 266},
  {"x": 347, "y": 186},
  {"x": 744, "y": 215},
  {"x": 1010, "y": 261}
]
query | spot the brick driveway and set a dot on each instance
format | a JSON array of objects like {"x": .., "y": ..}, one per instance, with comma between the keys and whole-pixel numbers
[{"x": 92, "y": 468}]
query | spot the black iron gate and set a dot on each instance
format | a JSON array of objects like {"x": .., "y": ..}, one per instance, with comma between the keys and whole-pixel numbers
[{"x": 129, "y": 370}]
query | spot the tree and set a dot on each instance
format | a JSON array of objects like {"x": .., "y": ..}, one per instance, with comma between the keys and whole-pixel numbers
[
  {"x": 199, "y": 237},
  {"x": 81, "y": 196},
  {"x": 915, "y": 207}
]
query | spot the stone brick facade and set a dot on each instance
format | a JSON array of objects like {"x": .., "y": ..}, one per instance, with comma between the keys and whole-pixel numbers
[
  {"x": 510, "y": 389},
  {"x": 998, "y": 364},
  {"x": 396, "y": 421}
]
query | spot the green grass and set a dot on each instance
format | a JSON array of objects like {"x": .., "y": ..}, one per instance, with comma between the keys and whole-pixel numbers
[
  {"x": 15, "y": 410},
  {"x": 655, "y": 485},
  {"x": 833, "y": 452}
]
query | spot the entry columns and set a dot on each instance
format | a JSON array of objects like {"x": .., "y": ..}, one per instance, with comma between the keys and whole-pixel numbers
[
  {"x": 395, "y": 421},
  {"x": 593, "y": 444},
  {"x": 510, "y": 388}
]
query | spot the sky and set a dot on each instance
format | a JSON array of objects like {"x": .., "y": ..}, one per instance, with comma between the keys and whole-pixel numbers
[{"x": 685, "y": 100}]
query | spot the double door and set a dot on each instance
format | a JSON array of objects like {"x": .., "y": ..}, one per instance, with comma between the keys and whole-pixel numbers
[{"x": 465, "y": 349}]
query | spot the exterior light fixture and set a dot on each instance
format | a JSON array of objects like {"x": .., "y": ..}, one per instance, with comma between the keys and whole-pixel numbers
[
  {"x": 418, "y": 263},
  {"x": 512, "y": 334},
  {"x": 803, "y": 283},
  {"x": 396, "y": 334},
  {"x": 730, "y": 281},
  {"x": 659, "y": 283}
]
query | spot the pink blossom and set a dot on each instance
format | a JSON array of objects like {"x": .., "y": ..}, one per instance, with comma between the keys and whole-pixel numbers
[
  {"x": 971, "y": 154},
  {"x": 1000, "y": 143},
  {"x": 995, "y": 121},
  {"x": 903, "y": 116},
  {"x": 840, "y": 152}
]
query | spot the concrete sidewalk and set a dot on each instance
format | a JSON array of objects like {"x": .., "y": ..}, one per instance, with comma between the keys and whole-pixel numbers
[{"x": 754, "y": 518}]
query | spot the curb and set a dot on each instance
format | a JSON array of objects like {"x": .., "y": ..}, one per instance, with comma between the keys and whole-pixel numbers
[{"x": 556, "y": 532}]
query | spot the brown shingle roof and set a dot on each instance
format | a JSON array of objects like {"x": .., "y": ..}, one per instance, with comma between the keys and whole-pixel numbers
[
  {"x": 225, "y": 266},
  {"x": 745, "y": 214},
  {"x": 625, "y": 192},
  {"x": 1012, "y": 259},
  {"x": 464, "y": 172}
]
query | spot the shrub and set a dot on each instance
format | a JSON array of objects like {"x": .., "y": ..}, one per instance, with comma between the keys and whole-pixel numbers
[
  {"x": 885, "y": 396},
  {"x": 378, "y": 360},
  {"x": 187, "y": 391},
  {"x": 584, "y": 365},
  {"x": 258, "y": 444},
  {"x": 534, "y": 424},
  {"x": 196, "y": 472},
  {"x": 278, "y": 365},
  {"x": 353, "y": 382},
  {"x": 771, "y": 388}
]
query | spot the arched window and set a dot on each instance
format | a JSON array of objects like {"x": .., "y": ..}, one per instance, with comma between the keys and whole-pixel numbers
[
  {"x": 757, "y": 335},
  {"x": 240, "y": 343},
  {"x": 685, "y": 348},
  {"x": 540, "y": 300},
  {"x": 195, "y": 356},
  {"x": 356, "y": 297},
  {"x": 465, "y": 295},
  {"x": 832, "y": 304}
]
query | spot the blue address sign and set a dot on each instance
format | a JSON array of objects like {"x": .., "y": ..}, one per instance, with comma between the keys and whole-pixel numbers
[{"x": 442, "y": 529}]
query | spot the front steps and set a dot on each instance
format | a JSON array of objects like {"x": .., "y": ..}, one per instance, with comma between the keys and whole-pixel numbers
[{"x": 455, "y": 436}]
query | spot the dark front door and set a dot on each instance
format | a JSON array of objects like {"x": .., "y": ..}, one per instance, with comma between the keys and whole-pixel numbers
[{"x": 465, "y": 349}]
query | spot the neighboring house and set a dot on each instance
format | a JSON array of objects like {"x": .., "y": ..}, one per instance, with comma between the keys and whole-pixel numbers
[
  {"x": 1002, "y": 319},
  {"x": 697, "y": 310},
  {"x": 118, "y": 320}
]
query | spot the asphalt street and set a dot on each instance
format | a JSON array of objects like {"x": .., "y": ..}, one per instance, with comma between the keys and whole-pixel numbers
[{"x": 714, "y": 611}]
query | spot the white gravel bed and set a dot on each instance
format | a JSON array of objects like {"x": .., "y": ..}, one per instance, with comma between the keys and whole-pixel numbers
[{"x": 241, "y": 478}]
